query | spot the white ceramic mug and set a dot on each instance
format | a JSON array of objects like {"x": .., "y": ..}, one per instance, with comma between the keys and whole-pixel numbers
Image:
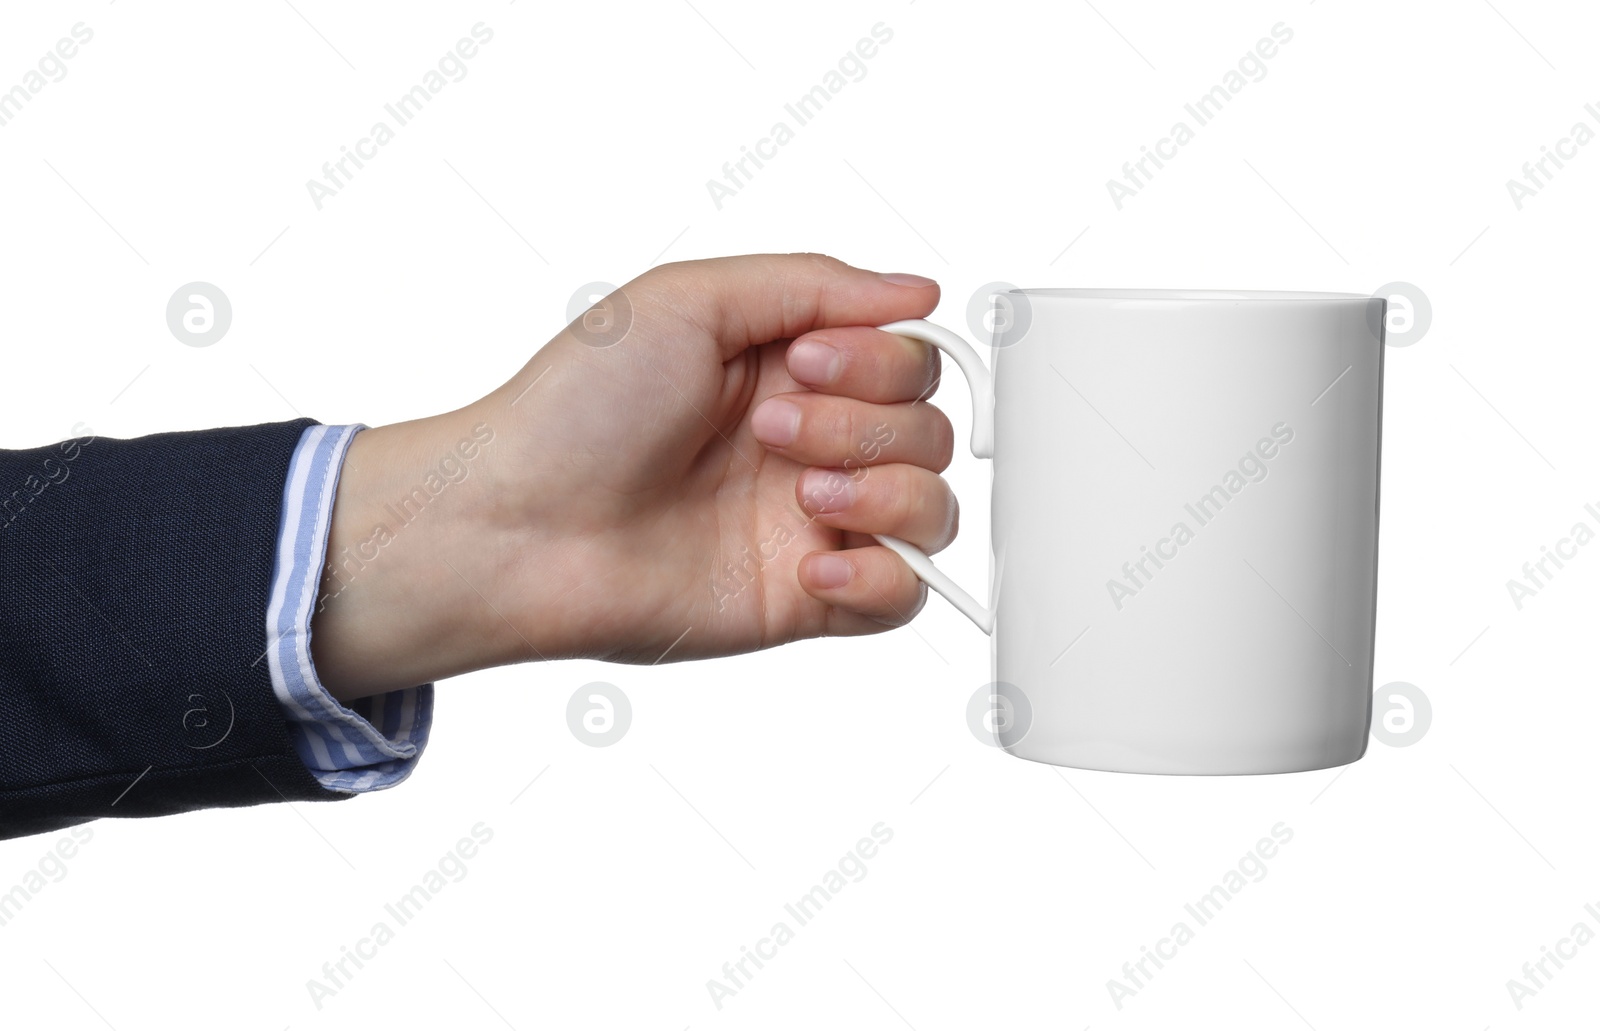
[{"x": 1185, "y": 525}]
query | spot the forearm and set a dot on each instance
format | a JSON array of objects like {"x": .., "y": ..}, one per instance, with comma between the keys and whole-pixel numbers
[{"x": 132, "y": 673}]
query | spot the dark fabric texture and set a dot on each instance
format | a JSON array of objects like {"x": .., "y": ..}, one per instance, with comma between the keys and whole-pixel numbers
[{"x": 135, "y": 580}]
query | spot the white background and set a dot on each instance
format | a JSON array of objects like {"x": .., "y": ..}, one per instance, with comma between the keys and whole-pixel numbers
[{"x": 976, "y": 149}]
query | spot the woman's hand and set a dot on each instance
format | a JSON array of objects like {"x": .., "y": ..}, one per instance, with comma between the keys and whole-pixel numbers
[{"x": 697, "y": 477}]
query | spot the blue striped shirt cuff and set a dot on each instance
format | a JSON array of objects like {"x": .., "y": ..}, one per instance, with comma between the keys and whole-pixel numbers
[{"x": 375, "y": 742}]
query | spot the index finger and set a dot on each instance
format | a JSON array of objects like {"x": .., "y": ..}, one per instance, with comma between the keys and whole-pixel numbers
[{"x": 865, "y": 363}]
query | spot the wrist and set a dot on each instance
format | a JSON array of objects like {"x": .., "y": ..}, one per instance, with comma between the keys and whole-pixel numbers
[{"x": 409, "y": 562}]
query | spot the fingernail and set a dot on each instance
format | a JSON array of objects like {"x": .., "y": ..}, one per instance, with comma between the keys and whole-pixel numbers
[
  {"x": 814, "y": 362},
  {"x": 825, "y": 490},
  {"x": 907, "y": 279},
  {"x": 830, "y": 571},
  {"x": 776, "y": 422}
]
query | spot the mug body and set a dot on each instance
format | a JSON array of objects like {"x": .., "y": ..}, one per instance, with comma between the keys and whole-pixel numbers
[{"x": 1185, "y": 528}]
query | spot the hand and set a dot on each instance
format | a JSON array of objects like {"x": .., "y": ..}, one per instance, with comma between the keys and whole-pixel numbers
[{"x": 703, "y": 486}]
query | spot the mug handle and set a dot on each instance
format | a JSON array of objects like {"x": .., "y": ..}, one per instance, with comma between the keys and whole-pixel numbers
[{"x": 982, "y": 386}]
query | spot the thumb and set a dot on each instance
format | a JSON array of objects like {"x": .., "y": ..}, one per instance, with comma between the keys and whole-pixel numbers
[{"x": 758, "y": 298}]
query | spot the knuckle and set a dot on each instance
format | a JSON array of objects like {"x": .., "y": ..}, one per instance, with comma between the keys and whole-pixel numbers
[
  {"x": 668, "y": 269},
  {"x": 930, "y": 375},
  {"x": 861, "y": 435},
  {"x": 676, "y": 289},
  {"x": 823, "y": 261},
  {"x": 900, "y": 502},
  {"x": 939, "y": 515},
  {"x": 673, "y": 277},
  {"x": 906, "y": 371},
  {"x": 919, "y": 599},
  {"x": 952, "y": 521},
  {"x": 909, "y": 596},
  {"x": 941, "y": 436},
  {"x": 925, "y": 508},
  {"x": 838, "y": 426}
]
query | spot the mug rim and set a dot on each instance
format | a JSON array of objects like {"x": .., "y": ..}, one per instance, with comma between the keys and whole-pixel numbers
[{"x": 1116, "y": 294}]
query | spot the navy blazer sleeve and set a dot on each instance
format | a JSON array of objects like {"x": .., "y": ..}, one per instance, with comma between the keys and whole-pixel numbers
[{"x": 136, "y": 576}]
